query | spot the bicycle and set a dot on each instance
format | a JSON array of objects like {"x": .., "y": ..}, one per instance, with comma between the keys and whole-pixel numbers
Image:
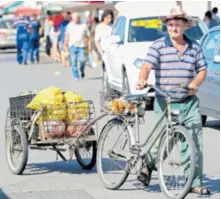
[{"x": 129, "y": 155}]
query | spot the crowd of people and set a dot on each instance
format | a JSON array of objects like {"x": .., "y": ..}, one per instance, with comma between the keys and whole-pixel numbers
[
  {"x": 68, "y": 39},
  {"x": 28, "y": 34},
  {"x": 72, "y": 39},
  {"x": 211, "y": 18}
]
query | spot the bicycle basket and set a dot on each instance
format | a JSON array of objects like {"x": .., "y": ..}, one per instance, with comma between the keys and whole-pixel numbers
[{"x": 18, "y": 107}]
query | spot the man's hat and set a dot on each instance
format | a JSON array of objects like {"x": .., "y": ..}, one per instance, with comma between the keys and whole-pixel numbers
[{"x": 178, "y": 13}]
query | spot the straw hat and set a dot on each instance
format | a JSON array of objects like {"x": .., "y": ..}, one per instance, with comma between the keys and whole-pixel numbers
[{"x": 178, "y": 13}]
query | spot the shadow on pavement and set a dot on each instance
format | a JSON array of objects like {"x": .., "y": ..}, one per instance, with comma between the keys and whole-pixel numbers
[
  {"x": 212, "y": 184},
  {"x": 71, "y": 167},
  {"x": 94, "y": 78},
  {"x": 8, "y": 51},
  {"x": 215, "y": 124},
  {"x": 3, "y": 195}
]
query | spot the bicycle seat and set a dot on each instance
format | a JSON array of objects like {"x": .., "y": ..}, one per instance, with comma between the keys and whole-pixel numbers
[{"x": 138, "y": 97}]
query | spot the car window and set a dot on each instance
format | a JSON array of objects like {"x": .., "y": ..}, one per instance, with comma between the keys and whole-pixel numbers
[
  {"x": 2, "y": 25},
  {"x": 8, "y": 24},
  {"x": 152, "y": 28},
  {"x": 210, "y": 44},
  {"x": 196, "y": 32},
  {"x": 119, "y": 28}
]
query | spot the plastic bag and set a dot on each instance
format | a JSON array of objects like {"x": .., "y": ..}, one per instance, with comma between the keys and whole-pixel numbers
[
  {"x": 49, "y": 96},
  {"x": 77, "y": 111},
  {"x": 53, "y": 112},
  {"x": 91, "y": 61},
  {"x": 51, "y": 128},
  {"x": 72, "y": 97}
]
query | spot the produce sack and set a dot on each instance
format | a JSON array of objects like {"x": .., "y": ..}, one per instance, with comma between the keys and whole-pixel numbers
[
  {"x": 51, "y": 128},
  {"x": 75, "y": 107},
  {"x": 75, "y": 128},
  {"x": 52, "y": 99},
  {"x": 49, "y": 96}
]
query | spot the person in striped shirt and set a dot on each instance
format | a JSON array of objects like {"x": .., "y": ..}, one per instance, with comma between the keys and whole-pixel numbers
[
  {"x": 22, "y": 39},
  {"x": 178, "y": 60}
]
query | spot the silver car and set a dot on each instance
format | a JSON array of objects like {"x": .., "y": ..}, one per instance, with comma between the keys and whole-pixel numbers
[
  {"x": 7, "y": 34},
  {"x": 210, "y": 90}
]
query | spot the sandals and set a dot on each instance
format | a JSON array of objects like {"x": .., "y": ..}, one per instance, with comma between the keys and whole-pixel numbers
[
  {"x": 202, "y": 191},
  {"x": 145, "y": 176}
]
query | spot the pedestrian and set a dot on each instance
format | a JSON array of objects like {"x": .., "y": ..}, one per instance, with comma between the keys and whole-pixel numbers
[
  {"x": 103, "y": 30},
  {"x": 47, "y": 30},
  {"x": 34, "y": 39},
  {"x": 178, "y": 60},
  {"x": 22, "y": 39},
  {"x": 214, "y": 14},
  {"x": 62, "y": 30},
  {"x": 54, "y": 34},
  {"x": 75, "y": 39},
  {"x": 94, "y": 51},
  {"x": 209, "y": 21}
]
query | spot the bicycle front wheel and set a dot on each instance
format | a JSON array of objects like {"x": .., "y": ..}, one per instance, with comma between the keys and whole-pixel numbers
[
  {"x": 176, "y": 163},
  {"x": 113, "y": 147}
]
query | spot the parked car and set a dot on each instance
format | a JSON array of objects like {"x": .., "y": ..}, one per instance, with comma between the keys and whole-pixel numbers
[
  {"x": 7, "y": 34},
  {"x": 134, "y": 31},
  {"x": 209, "y": 92}
]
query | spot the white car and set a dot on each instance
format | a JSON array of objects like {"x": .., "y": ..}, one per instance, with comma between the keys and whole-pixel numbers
[{"x": 135, "y": 29}]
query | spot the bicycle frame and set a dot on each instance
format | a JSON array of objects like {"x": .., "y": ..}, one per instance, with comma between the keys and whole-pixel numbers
[{"x": 162, "y": 123}]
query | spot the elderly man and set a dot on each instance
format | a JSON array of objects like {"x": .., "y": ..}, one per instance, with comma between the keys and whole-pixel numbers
[
  {"x": 75, "y": 38},
  {"x": 176, "y": 59},
  {"x": 34, "y": 39}
]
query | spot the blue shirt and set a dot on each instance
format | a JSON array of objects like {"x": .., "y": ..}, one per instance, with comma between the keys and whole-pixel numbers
[
  {"x": 22, "y": 29},
  {"x": 62, "y": 29},
  {"x": 34, "y": 26},
  {"x": 212, "y": 24},
  {"x": 173, "y": 68}
]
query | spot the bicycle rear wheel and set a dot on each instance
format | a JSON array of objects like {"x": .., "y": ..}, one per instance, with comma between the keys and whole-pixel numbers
[
  {"x": 86, "y": 154},
  {"x": 113, "y": 147},
  {"x": 177, "y": 161}
]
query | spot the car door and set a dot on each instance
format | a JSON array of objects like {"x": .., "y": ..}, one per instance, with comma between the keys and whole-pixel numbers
[
  {"x": 209, "y": 91},
  {"x": 116, "y": 51}
]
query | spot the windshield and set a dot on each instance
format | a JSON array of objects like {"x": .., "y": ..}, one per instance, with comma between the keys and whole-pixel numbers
[
  {"x": 6, "y": 24},
  {"x": 151, "y": 29}
]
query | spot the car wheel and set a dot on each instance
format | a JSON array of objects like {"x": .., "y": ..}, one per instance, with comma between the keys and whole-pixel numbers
[
  {"x": 204, "y": 118},
  {"x": 105, "y": 84},
  {"x": 125, "y": 84}
]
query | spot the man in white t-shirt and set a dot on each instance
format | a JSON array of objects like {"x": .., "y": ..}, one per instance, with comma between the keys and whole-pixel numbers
[
  {"x": 75, "y": 39},
  {"x": 103, "y": 31}
]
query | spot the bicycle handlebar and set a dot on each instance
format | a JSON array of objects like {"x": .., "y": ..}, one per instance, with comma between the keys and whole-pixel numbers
[{"x": 184, "y": 86}]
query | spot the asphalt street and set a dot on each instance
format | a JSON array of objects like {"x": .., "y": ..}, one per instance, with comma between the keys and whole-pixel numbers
[{"x": 45, "y": 177}]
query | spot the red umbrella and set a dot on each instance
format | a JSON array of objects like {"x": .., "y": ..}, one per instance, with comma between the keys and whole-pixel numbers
[{"x": 27, "y": 11}]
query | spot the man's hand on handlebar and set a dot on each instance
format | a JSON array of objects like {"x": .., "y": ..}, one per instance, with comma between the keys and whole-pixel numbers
[
  {"x": 193, "y": 89},
  {"x": 141, "y": 84}
]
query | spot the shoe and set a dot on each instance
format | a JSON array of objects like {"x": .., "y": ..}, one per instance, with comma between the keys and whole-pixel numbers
[
  {"x": 82, "y": 75},
  {"x": 200, "y": 191},
  {"x": 37, "y": 59},
  {"x": 25, "y": 63},
  {"x": 145, "y": 176},
  {"x": 76, "y": 79}
]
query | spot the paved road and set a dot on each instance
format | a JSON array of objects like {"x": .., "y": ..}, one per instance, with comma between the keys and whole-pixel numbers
[{"x": 46, "y": 178}]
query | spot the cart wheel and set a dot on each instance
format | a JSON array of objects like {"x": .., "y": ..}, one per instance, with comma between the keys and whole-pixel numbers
[
  {"x": 17, "y": 149},
  {"x": 86, "y": 155}
]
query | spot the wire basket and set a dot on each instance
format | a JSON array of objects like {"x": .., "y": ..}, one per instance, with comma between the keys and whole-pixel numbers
[
  {"x": 65, "y": 120},
  {"x": 18, "y": 107},
  {"x": 106, "y": 99}
]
